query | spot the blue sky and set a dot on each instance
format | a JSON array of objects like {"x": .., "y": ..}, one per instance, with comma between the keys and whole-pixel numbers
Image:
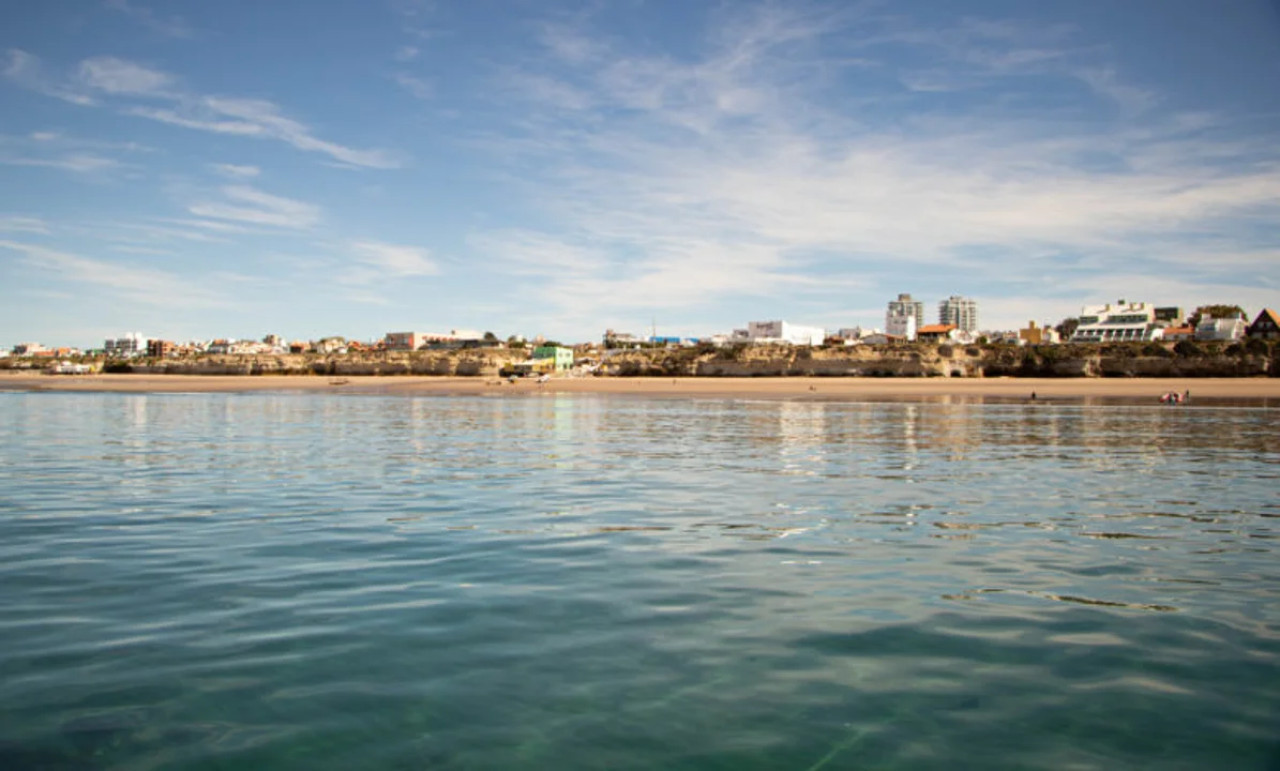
[{"x": 234, "y": 168}]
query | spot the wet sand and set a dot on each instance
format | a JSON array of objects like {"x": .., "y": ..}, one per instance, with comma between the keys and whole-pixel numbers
[{"x": 805, "y": 388}]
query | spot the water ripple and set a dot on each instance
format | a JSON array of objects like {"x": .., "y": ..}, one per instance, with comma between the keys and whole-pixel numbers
[{"x": 338, "y": 581}]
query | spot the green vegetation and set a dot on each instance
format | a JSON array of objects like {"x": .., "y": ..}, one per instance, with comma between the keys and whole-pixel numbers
[
  {"x": 1217, "y": 312},
  {"x": 1188, "y": 349}
]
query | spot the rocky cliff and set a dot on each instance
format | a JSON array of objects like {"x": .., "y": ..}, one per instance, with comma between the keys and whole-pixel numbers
[
  {"x": 1131, "y": 360},
  {"x": 1255, "y": 358}
]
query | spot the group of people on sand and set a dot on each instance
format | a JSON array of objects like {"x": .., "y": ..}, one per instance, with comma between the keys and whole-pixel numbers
[{"x": 1173, "y": 397}]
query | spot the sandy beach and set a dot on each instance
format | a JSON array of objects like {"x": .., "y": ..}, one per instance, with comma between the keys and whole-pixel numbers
[{"x": 801, "y": 388}]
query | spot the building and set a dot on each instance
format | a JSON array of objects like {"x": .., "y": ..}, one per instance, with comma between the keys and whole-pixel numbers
[
  {"x": 1266, "y": 326},
  {"x": 905, "y": 306},
  {"x": 160, "y": 348},
  {"x": 1125, "y": 322},
  {"x": 783, "y": 332},
  {"x": 615, "y": 339},
  {"x": 1034, "y": 335},
  {"x": 937, "y": 333},
  {"x": 901, "y": 325},
  {"x": 132, "y": 344},
  {"x": 561, "y": 357},
  {"x": 960, "y": 311},
  {"x": 404, "y": 341},
  {"x": 1178, "y": 334},
  {"x": 1224, "y": 330},
  {"x": 1171, "y": 315},
  {"x": 28, "y": 349},
  {"x": 328, "y": 345}
]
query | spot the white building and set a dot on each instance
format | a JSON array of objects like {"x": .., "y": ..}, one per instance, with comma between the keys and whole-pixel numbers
[
  {"x": 132, "y": 344},
  {"x": 901, "y": 325},
  {"x": 28, "y": 349},
  {"x": 782, "y": 332},
  {"x": 905, "y": 306},
  {"x": 1120, "y": 323},
  {"x": 960, "y": 311},
  {"x": 1210, "y": 328}
]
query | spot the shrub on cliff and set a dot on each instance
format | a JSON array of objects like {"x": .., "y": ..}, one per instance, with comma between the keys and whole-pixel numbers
[
  {"x": 1257, "y": 346},
  {"x": 1188, "y": 349}
]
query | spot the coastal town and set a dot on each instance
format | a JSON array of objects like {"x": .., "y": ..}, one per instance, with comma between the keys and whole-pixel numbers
[{"x": 956, "y": 322}]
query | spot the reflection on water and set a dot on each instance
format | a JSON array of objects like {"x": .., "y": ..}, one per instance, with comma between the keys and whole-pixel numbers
[{"x": 582, "y": 582}]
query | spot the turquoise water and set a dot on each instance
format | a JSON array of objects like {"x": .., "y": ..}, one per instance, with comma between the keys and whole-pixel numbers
[{"x": 345, "y": 581}]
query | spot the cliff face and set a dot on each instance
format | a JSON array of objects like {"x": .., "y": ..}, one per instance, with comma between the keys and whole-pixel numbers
[
  {"x": 1251, "y": 359},
  {"x": 948, "y": 361},
  {"x": 445, "y": 363}
]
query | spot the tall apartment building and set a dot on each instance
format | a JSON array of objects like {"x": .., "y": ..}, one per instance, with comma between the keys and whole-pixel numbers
[
  {"x": 905, "y": 306},
  {"x": 960, "y": 311},
  {"x": 132, "y": 344}
]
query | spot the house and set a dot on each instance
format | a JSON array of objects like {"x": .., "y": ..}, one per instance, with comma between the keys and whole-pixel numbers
[
  {"x": 404, "y": 341},
  {"x": 561, "y": 358},
  {"x": 1178, "y": 334},
  {"x": 783, "y": 332},
  {"x": 1034, "y": 335},
  {"x": 1225, "y": 330},
  {"x": 615, "y": 339},
  {"x": 333, "y": 344},
  {"x": 937, "y": 333},
  {"x": 1266, "y": 326}
]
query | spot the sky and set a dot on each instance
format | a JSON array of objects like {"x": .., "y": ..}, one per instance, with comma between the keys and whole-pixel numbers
[{"x": 192, "y": 170}]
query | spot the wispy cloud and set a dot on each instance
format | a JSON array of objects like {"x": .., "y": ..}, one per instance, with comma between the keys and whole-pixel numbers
[
  {"x": 234, "y": 171},
  {"x": 126, "y": 83},
  {"x": 25, "y": 70},
  {"x": 141, "y": 285},
  {"x": 1105, "y": 82},
  {"x": 175, "y": 118},
  {"x": 148, "y": 233},
  {"x": 168, "y": 26},
  {"x": 79, "y": 164},
  {"x": 117, "y": 76},
  {"x": 12, "y": 223},
  {"x": 273, "y": 123},
  {"x": 407, "y": 53},
  {"x": 737, "y": 172},
  {"x": 252, "y": 206},
  {"x": 414, "y": 85},
  {"x": 394, "y": 260}
]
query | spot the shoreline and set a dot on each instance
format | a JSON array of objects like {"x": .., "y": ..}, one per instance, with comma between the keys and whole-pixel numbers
[{"x": 796, "y": 388}]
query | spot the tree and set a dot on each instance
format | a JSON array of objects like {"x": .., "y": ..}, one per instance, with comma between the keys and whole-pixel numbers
[
  {"x": 1217, "y": 312},
  {"x": 1067, "y": 327},
  {"x": 490, "y": 337}
]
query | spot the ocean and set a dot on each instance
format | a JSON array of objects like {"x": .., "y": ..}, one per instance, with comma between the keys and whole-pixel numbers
[{"x": 338, "y": 581}]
